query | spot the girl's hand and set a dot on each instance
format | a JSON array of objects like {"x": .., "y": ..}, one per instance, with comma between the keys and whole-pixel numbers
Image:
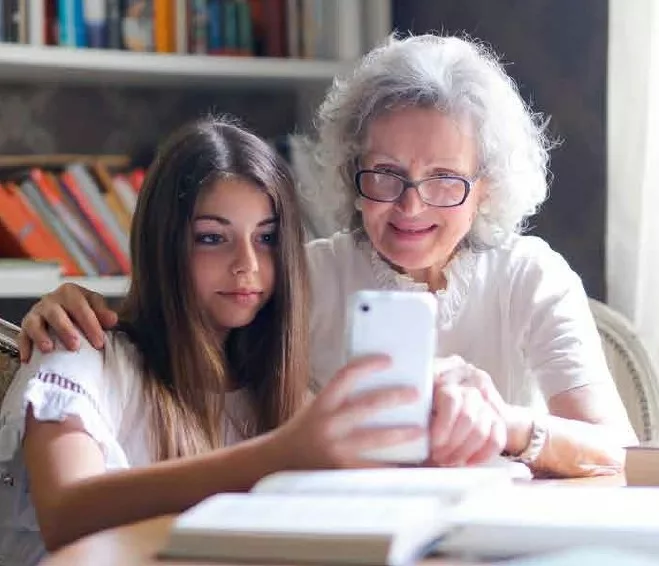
[{"x": 329, "y": 431}]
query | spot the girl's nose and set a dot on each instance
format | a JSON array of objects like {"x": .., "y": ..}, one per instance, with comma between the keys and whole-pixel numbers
[{"x": 246, "y": 259}]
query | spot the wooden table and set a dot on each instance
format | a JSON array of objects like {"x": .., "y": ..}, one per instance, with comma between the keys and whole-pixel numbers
[{"x": 137, "y": 544}]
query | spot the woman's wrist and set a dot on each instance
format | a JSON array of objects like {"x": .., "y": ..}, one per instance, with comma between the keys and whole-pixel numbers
[{"x": 519, "y": 428}]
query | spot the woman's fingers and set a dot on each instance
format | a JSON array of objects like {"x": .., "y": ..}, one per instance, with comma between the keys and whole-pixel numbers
[
  {"x": 447, "y": 403},
  {"x": 106, "y": 316},
  {"x": 83, "y": 314},
  {"x": 461, "y": 428},
  {"x": 444, "y": 365},
  {"x": 35, "y": 324},
  {"x": 24, "y": 347},
  {"x": 59, "y": 312},
  {"x": 81, "y": 305},
  {"x": 458, "y": 372},
  {"x": 493, "y": 446},
  {"x": 472, "y": 433},
  {"x": 474, "y": 437}
]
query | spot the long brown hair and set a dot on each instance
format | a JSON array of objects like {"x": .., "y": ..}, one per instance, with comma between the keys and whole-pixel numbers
[{"x": 186, "y": 370}]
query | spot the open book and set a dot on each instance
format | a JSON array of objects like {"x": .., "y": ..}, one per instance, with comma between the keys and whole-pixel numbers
[
  {"x": 529, "y": 519},
  {"x": 373, "y": 516}
]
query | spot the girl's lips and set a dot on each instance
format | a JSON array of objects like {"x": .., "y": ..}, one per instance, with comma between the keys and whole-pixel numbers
[{"x": 246, "y": 298}]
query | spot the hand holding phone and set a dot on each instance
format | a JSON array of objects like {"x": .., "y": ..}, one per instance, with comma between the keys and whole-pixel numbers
[{"x": 401, "y": 325}]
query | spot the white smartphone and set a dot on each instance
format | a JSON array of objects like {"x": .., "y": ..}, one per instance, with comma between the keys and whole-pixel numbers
[{"x": 402, "y": 325}]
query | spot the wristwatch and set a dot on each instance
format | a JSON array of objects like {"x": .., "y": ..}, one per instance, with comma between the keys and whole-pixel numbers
[{"x": 539, "y": 433}]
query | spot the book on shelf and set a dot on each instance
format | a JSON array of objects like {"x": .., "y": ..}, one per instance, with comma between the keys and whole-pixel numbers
[
  {"x": 77, "y": 213},
  {"x": 371, "y": 516},
  {"x": 49, "y": 216},
  {"x": 24, "y": 234},
  {"x": 310, "y": 29}
]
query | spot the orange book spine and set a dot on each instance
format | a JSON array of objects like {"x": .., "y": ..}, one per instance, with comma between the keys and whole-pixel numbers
[
  {"x": 118, "y": 210},
  {"x": 77, "y": 223},
  {"x": 164, "y": 26},
  {"x": 124, "y": 216},
  {"x": 29, "y": 235},
  {"x": 95, "y": 220}
]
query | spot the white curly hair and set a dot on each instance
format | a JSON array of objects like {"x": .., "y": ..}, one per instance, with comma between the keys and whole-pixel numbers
[{"x": 464, "y": 79}]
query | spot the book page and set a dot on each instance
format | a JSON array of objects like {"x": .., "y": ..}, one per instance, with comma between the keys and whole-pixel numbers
[
  {"x": 309, "y": 515},
  {"x": 544, "y": 518},
  {"x": 601, "y": 555},
  {"x": 565, "y": 506},
  {"x": 449, "y": 485}
]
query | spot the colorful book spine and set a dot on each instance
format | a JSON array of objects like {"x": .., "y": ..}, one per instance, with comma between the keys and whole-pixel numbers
[
  {"x": 41, "y": 206},
  {"x": 96, "y": 23},
  {"x": 89, "y": 208},
  {"x": 114, "y": 36},
  {"x": 137, "y": 25},
  {"x": 198, "y": 23},
  {"x": 164, "y": 26},
  {"x": 24, "y": 234},
  {"x": 71, "y": 23}
]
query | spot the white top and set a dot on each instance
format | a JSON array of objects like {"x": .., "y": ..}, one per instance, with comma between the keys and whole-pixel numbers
[
  {"x": 516, "y": 311},
  {"x": 103, "y": 389}
]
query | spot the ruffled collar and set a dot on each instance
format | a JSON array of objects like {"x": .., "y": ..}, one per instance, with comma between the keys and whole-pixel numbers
[{"x": 458, "y": 272}]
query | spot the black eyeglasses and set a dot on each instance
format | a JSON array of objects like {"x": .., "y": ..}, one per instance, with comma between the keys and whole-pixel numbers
[{"x": 444, "y": 191}]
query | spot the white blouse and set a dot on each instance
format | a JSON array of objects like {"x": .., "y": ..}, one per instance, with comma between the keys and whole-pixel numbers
[
  {"x": 516, "y": 311},
  {"x": 104, "y": 390}
]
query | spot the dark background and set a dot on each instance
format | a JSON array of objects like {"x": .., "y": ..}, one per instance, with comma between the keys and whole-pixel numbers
[{"x": 556, "y": 51}]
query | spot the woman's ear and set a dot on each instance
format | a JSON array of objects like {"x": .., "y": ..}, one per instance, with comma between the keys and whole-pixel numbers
[{"x": 483, "y": 197}]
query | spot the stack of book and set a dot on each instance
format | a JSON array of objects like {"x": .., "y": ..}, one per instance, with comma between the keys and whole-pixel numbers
[
  {"x": 394, "y": 516},
  {"x": 77, "y": 215},
  {"x": 642, "y": 465}
]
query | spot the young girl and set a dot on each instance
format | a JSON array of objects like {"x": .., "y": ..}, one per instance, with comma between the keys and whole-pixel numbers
[{"x": 200, "y": 388}]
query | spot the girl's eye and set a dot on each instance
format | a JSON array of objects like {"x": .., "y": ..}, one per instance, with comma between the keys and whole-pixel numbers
[
  {"x": 209, "y": 239},
  {"x": 269, "y": 239}
]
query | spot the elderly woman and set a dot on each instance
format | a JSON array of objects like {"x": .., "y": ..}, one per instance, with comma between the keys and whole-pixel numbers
[{"x": 442, "y": 162}]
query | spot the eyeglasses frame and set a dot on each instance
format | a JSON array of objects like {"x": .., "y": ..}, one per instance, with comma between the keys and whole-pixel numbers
[{"x": 408, "y": 184}]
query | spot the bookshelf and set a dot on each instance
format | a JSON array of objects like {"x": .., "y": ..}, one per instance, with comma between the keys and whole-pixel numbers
[
  {"x": 110, "y": 287},
  {"x": 26, "y": 69},
  {"x": 53, "y": 64}
]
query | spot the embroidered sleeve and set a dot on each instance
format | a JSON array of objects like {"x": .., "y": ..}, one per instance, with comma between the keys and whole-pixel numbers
[
  {"x": 59, "y": 385},
  {"x": 67, "y": 384}
]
